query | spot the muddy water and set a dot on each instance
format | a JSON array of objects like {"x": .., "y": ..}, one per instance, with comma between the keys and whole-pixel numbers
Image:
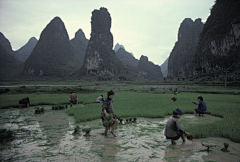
[{"x": 51, "y": 139}]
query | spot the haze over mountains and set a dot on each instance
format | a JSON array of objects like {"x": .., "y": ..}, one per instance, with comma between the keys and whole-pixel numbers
[{"x": 199, "y": 51}]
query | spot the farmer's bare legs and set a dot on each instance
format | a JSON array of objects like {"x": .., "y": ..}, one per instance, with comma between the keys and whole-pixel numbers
[
  {"x": 195, "y": 113},
  {"x": 106, "y": 131},
  {"x": 116, "y": 123},
  {"x": 28, "y": 105},
  {"x": 114, "y": 126}
]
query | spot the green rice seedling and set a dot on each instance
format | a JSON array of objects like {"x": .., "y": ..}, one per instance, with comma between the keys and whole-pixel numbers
[
  {"x": 87, "y": 130},
  {"x": 225, "y": 149},
  {"x": 135, "y": 119},
  {"x": 42, "y": 109},
  {"x": 126, "y": 120},
  {"x": 120, "y": 121},
  {"x": 5, "y": 134},
  {"x": 37, "y": 110},
  {"x": 130, "y": 120},
  {"x": 108, "y": 118},
  {"x": 189, "y": 137},
  {"x": 71, "y": 105},
  {"x": 66, "y": 106},
  {"x": 76, "y": 129}
]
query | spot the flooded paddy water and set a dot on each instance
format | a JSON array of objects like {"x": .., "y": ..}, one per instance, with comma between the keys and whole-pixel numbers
[{"x": 51, "y": 139}]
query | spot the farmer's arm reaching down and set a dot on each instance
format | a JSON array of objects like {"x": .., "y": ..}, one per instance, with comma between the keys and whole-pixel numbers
[
  {"x": 179, "y": 128},
  {"x": 105, "y": 112}
]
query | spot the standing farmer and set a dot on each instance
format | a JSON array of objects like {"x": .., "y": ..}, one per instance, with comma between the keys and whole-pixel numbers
[
  {"x": 202, "y": 107},
  {"x": 107, "y": 109},
  {"x": 173, "y": 128}
]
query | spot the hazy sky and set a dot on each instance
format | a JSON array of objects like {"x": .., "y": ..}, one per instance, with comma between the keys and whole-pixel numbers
[{"x": 143, "y": 27}]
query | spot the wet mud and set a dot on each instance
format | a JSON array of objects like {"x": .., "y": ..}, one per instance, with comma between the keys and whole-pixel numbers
[{"x": 52, "y": 139}]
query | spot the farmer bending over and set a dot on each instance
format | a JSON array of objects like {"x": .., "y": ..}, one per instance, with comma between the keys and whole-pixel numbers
[
  {"x": 24, "y": 102},
  {"x": 100, "y": 99},
  {"x": 107, "y": 109},
  {"x": 202, "y": 107},
  {"x": 73, "y": 98},
  {"x": 173, "y": 128}
]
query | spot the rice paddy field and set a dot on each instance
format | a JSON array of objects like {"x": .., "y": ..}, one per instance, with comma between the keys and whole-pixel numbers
[{"x": 52, "y": 137}]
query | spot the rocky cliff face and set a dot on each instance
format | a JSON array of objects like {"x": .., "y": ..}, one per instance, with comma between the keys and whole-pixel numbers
[
  {"x": 181, "y": 57},
  {"x": 7, "y": 45},
  {"x": 149, "y": 70},
  {"x": 100, "y": 59},
  {"x": 9, "y": 66},
  {"x": 164, "y": 68},
  {"x": 126, "y": 58},
  {"x": 53, "y": 55},
  {"x": 219, "y": 43},
  {"x": 24, "y": 52},
  {"x": 79, "y": 44}
]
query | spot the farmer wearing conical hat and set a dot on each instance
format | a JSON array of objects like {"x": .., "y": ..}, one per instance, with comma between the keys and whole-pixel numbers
[
  {"x": 107, "y": 109},
  {"x": 173, "y": 128}
]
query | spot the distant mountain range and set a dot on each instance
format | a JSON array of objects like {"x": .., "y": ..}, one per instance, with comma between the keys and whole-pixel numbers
[
  {"x": 201, "y": 50},
  {"x": 126, "y": 58}
]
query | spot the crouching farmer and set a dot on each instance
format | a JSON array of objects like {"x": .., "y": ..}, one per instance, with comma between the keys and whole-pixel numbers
[
  {"x": 202, "y": 107},
  {"x": 25, "y": 102},
  {"x": 107, "y": 109},
  {"x": 173, "y": 128},
  {"x": 100, "y": 99}
]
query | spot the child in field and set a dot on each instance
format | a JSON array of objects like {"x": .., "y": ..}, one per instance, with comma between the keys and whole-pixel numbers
[
  {"x": 73, "y": 98},
  {"x": 173, "y": 128},
  {"x": 202, "y": 107},
  {"x": 24, "y": 102}
]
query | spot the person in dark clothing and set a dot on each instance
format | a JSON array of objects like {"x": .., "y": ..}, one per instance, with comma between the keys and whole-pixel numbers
[
  {"x": 107, "y": 108},
  {"x": 24, "y": 102},
  {"x": 202, "y": 107},
  {"x": 173, "y": 128}
]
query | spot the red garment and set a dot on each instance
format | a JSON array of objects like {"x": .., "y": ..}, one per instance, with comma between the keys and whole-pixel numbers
[{"x": 73, "y": 97}]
